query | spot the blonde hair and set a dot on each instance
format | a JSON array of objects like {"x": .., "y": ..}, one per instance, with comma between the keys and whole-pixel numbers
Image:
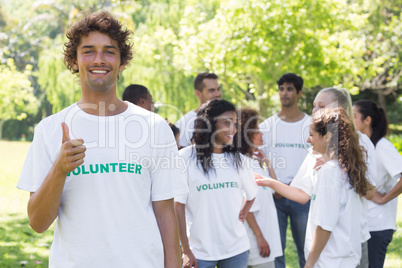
[{"x": 342, "y": 96}]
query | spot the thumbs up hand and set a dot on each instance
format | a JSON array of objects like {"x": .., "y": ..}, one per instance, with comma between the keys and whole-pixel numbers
[{"x": 72, "y": 152}]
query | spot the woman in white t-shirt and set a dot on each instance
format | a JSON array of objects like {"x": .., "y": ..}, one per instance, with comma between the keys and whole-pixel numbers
[
  {"x": 300, "y": 190},
  {"x": 372, "y": 121},
  {"x": 213, "y": 211},
  {"x": 262, "y": 220},
  {"x": 335, "y": 201}
]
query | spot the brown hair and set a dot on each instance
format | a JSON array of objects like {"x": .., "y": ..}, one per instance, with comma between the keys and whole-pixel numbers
[
  {"x": 102, "y": 22},
  {"x": 199, "y": 80},
  {"x": 344, "y": 145},
  {"x": 247, "y": 123}
]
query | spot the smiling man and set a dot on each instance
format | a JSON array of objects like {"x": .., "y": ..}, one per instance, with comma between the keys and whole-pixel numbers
[
  {"x": 284, "y": 136},
  {"x": 88, "y": 165},
  {"x": 206, "y": 88}
]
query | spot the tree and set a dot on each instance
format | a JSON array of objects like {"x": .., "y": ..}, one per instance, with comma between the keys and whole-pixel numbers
[{"x": 16, "y": 93}]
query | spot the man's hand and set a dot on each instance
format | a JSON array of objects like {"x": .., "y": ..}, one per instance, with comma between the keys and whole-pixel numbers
[{"x": 72, "y": 152}]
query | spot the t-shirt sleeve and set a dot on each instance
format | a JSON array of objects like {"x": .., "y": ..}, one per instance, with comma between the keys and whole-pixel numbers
[
  {"x": 303, "y": 179},
  {"x": 37, "y": 163},
  {"x": 167, "y": 173},
  {"x": 327, "y": 198},
  {"x": 370, "y": 158},
  {"x": 391, "y": 159},
  {"x": 257, "y": 202},
  {"x": 247, "y": 182}
]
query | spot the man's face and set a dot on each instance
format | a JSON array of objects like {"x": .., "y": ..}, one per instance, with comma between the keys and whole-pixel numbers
[
  {"x": 288, "y": 94},
  {"x": 98, "y": 62},
  {"x": 210, "y": 91},
  {"x": 147, "y": 103}
]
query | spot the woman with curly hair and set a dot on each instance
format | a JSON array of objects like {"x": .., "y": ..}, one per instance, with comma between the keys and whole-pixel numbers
[
  {"x": 217, "y": 176},
  {"x": 300, "y": 190},
  {"x": 335, "y": 202},
  {"x": 372, "y": 121},
  {"x": 262, "y": 220}
]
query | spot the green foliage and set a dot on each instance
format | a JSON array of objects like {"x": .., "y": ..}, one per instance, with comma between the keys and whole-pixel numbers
[
  {"x": 16, "y": 93},
  {"x": 248, "y": 43},
  {"x": 397, "y": 141}
]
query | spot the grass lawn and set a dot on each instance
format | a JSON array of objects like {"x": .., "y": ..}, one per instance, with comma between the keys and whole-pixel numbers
[{"x": 20, "y": 244}]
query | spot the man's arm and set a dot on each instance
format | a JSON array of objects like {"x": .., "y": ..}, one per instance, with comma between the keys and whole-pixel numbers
[
  {"x": 287, "y": 191},
  {"x": 167, "y": 223},
  {"x": 43, "y": 205},
  {"x": 320, "y": 240},
  {"x": 189, "y": 259},
  {"x": 385, "y": 198}
]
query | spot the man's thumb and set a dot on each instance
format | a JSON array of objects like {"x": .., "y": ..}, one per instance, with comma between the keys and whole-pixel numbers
[{"x": 66, "y": 136}]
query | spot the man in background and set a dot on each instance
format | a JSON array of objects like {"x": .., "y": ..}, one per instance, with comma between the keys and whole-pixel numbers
[
  {"x": 206, "y": 87},
  {"x": 284, "y": 136},
  {"x": 140, "y": 96}
]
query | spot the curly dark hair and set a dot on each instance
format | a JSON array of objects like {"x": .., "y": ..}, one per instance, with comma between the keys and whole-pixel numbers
[
  {"x": 204, "y": 131},
  {"x": 344, "y": 145},
  {"x": 247, "y": 125},
  {"x": 102, "y": 22}
]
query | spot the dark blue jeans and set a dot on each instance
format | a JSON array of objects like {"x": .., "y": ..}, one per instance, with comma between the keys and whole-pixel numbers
[
  {"x": 377, "y": 247},
  {"x": 298, "y": 215},
  {"x": 237, "y": 261}
]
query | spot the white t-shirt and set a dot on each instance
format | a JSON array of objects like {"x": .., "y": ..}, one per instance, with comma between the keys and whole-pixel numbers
[
  {"x": 186, "y": 126},
  {"x": 285, "y": 144},
  {"x": 106, "y": 217},
  {"x": 213, "y": 205},
  {"x": 267, "y": 219},
  {"x": 305, "y": 178},
  {"x": 335, "y": 207},
  {"x": 389, "y": 169}
]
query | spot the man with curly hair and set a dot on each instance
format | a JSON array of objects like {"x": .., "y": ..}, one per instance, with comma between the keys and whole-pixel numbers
[{"x": 94, "y": 167}]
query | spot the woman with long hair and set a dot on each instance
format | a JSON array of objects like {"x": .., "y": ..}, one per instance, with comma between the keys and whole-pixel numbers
[
  {"x": 371, "y": 120},
  {"x": 262, "y": 220},
  {"x": 331, "y": 239},
  {"x": 300, "y": 190},
  {"x": 217, "y": 177}
]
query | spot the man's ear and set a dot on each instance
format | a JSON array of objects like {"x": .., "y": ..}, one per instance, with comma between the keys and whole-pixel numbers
[
  {"x": 75, "y": 65},
  {"x": 197, "y": 93},
  {"x": 299, "y": 94},
  {"x": 122, "y": 67}
]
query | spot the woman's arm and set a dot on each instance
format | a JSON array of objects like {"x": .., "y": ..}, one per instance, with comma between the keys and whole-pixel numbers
[
  {"x": 263, "y": 245},
  {"x": 287, "y": 191},
  {"x": 245, "y": 209},
  {"x": 189, "y": 259},
  {"x": 320, "y": 240},
  {"x": 385, "y": 198}
]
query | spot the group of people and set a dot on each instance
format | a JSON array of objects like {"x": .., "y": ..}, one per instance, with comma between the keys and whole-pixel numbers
[{"x": 106, "y": 169}]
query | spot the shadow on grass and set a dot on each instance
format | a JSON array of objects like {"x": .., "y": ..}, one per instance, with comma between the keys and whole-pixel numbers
[{"x": 20, "y": 246}]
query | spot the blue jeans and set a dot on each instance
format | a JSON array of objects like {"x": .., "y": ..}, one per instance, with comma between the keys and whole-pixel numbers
[
  {"x": 298, "y": 215},
  {"x": 377, "y": 247},
  {"x": 238, "y": 261}
]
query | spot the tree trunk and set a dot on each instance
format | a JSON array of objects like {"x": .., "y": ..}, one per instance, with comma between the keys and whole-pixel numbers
[
  {"x": 1, "y": 128},
  {"x": 381, "y": 99}
]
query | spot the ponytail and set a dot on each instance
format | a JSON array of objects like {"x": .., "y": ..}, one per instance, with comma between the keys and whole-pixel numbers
[{"x": 379, "y": 121}]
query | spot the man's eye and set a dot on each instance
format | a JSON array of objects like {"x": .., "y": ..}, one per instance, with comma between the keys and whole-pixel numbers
[{"x": 109, "y": 52}]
